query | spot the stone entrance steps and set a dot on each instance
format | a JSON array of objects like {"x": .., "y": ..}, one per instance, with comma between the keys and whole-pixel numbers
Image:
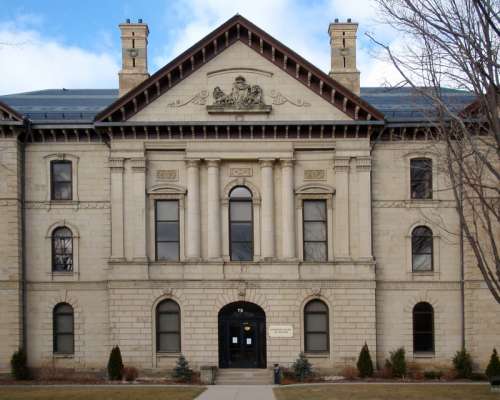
[{"x": 244, "y": 376}]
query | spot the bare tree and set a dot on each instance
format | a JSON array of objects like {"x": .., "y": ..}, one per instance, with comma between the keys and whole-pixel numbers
[{"x": 455, "y": 43}]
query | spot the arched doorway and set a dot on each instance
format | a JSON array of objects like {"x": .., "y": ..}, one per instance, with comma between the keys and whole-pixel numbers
[{"x": 242, "y": 336}]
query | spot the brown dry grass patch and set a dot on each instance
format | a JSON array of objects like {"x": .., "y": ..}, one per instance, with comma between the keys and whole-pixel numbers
[
  {"x": 99, "y": 393},
  {"x": 386, "y": 392}
]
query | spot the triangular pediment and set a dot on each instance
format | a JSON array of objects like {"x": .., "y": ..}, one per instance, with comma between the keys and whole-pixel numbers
[
  {"x": 290, "y": 87},
  {"x": 7, "y": 113}
]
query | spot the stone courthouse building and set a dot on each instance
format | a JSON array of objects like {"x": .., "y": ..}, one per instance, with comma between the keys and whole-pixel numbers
[{"x": 238, "y": 206}]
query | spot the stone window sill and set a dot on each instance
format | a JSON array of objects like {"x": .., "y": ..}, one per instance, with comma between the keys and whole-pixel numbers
[
  {"x": 63, "y": 355},
  {"x": 424, "y": 355},
  {"x": 317, "y": 355},
  {"x": 167, "y": 355}
]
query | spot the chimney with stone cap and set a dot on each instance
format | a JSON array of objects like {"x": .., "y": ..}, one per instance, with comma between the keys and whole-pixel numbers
[
  {"x": 343, "y": 54},
  {"x": 134, "y": 38}
]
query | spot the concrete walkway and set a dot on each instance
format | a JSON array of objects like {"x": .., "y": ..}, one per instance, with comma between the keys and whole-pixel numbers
[{"x": 229, "y": 392}]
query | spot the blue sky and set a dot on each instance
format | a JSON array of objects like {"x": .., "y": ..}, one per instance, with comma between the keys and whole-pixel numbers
[{"x": 76, "y": 44}]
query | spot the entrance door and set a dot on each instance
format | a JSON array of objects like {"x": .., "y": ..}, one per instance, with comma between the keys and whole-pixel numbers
[{"x": 242, "y": 336}]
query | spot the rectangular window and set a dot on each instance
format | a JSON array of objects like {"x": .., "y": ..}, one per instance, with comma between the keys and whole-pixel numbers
[
  {"x": 61, "y": 183},
  {"x": 167, "y": 230},
  {"x": 315, "y": 230},
  {"x": 421, "y": 178}
]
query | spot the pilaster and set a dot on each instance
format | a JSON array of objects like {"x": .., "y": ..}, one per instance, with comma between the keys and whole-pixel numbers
[
  {"x": 287, "y": 209},
  {"x": 193, "y": 242},
  {"x": 267, "y": 177},
  {"x": 214, "y": 206},
  {"x": 341, "y": 229},
  {"x": 139, "y": 181},
  {"x": 117, "y": 207}
]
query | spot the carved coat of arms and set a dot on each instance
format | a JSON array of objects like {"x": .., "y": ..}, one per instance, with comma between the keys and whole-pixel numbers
[{"x": 242, "y": 98}]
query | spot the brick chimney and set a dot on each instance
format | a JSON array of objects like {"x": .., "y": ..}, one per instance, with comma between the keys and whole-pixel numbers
[
  {"x": 134, "y": 37},
  {"x": 343, "y": 53}
]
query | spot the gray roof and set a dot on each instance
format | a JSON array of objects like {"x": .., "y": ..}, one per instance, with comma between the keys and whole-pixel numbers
[{"x": 397, "y": 104}]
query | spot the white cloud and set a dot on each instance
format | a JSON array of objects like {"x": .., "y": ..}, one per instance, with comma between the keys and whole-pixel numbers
[
  {"x": 295, "y": 24},
  {"x": 30, "y": 61}
]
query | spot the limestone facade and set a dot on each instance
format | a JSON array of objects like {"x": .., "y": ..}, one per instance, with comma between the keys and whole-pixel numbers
[{"x": 366, "y": 280}]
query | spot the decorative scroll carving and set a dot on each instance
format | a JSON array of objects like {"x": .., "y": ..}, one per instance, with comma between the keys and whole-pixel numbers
[
  {"x": 167, "y": 175},
  {"x": 279, "y": 99},
  {"x": 314, "y": 175},
  {"x": 199, "y": 98},
  {"x": 243, "y": 98},
  {"x": 237, "y": 172}
]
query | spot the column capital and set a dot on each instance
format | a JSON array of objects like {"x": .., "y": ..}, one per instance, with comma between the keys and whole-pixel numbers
[
  {"x": 212, "y": 162},
  {"x": 116, "y": 163},
  {"x": 363, "y": 163},
  {"x": 287, "y": 162},
  {"x": 193, "y": 163},
  {"x": 138, "y": 164},
  {"x": 341, "y": 164},
  {"x": 266, "y": 162}
]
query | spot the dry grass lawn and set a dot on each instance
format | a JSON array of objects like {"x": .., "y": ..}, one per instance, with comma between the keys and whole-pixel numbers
[
  {"x": 98, "y": 393},
  {"x": 386, "y": 392}
]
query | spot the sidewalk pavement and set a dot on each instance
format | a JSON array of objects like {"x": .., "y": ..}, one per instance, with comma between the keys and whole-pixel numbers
[{"x": 243, "y": 392}]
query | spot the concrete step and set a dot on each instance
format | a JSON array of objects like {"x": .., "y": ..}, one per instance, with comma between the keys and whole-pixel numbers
[{"x": 244, "y": 376}]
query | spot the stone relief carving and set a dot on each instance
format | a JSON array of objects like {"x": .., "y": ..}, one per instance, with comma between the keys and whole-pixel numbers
[
  {"x": 279, "y": 99},
  {"x": 243, "y": 98},
  {"x": 167, "y": 175},
  {"x": 314, "y": 175},
  {"x": 237, "y": 172},
  {"x": 199, "y": 98}
]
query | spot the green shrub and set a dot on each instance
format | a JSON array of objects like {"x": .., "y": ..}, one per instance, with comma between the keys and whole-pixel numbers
[
  {"x": 463, "y": 364},
  {"x": 478, "y": 376},
  {"x": 433, "y": 374},
  {"x": 302, "y": 367},
  {"x": 493, "y": 368},
  {"x": 19, "y": 365},
  {"x": 182, "y": 372},
  {"x": 365, "y": 364},
  {"x": 115, "y": 364},
  {"x": 398, "y": 363}
]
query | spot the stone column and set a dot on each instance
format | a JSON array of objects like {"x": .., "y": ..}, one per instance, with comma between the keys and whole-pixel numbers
[
  {"x": 214, "y": 206},
  {"x": 139, "y": 182},
  {"x": 341, "y": 235},
  {"x": 117, "y": 245},
  {"x": 363, "y": 170},
  {"x": 288, "y": 209},
  {"x": 193, "y": 238},
  {"x": 267, "y": 228}
]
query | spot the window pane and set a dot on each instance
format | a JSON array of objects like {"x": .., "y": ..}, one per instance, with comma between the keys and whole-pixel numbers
[
  {"x": 241, "y": 211},
  {"x": 422, "y": 244},
  {"x": 168, "y": 322},
  {"x": 63, "y": 309},
  {"x": 422, "y": 322},
  {"x": 241, "y": 251},
  {"x": 62, "y": 191},
  {"x": 62, "y": 232},
  {"x": 316, "y": 342},
  {"x": 64, "y": 344},
  {"x": 167, "y": 231},
  {"x": 167, "y": 210},
  {"x": 422, "y": 231},
  {"x": 315, "y": 231},
  {"x": 64, "y": 324},
  {"x": 169, "y": 342},
  {"x": 423, "y": 342},
  {"x": 314, "y": 251},
  {"x": 241, "y": 193},
  {"x": 421, "y": 178},
  {"x": 422, "y": 262},
  {"x": 168, "y": 305},
  {"x": 316, "y": 305},
  {"x": 316, "y": 322},
  {"x": 241, "y": 232},
  {"x": 167, "y": 251},
  {"x": 61, "y": 171},
  {"x": 314, "y": 210}
]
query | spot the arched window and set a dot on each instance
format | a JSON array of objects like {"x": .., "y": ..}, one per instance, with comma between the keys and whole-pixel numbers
[
  {"x": 423, "y": 328},
  {"x": 64, "y": 334},
  {"x": 316, "y": 332},
  {"x": 168, "y": 327},
  {"x": 241, "y": 224},
  {"x": 421, "y": 178},
  {"x": 62, "y": 250},
  {"x": 61, "y": 180},
  {"x": 421, "y": 249}
]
